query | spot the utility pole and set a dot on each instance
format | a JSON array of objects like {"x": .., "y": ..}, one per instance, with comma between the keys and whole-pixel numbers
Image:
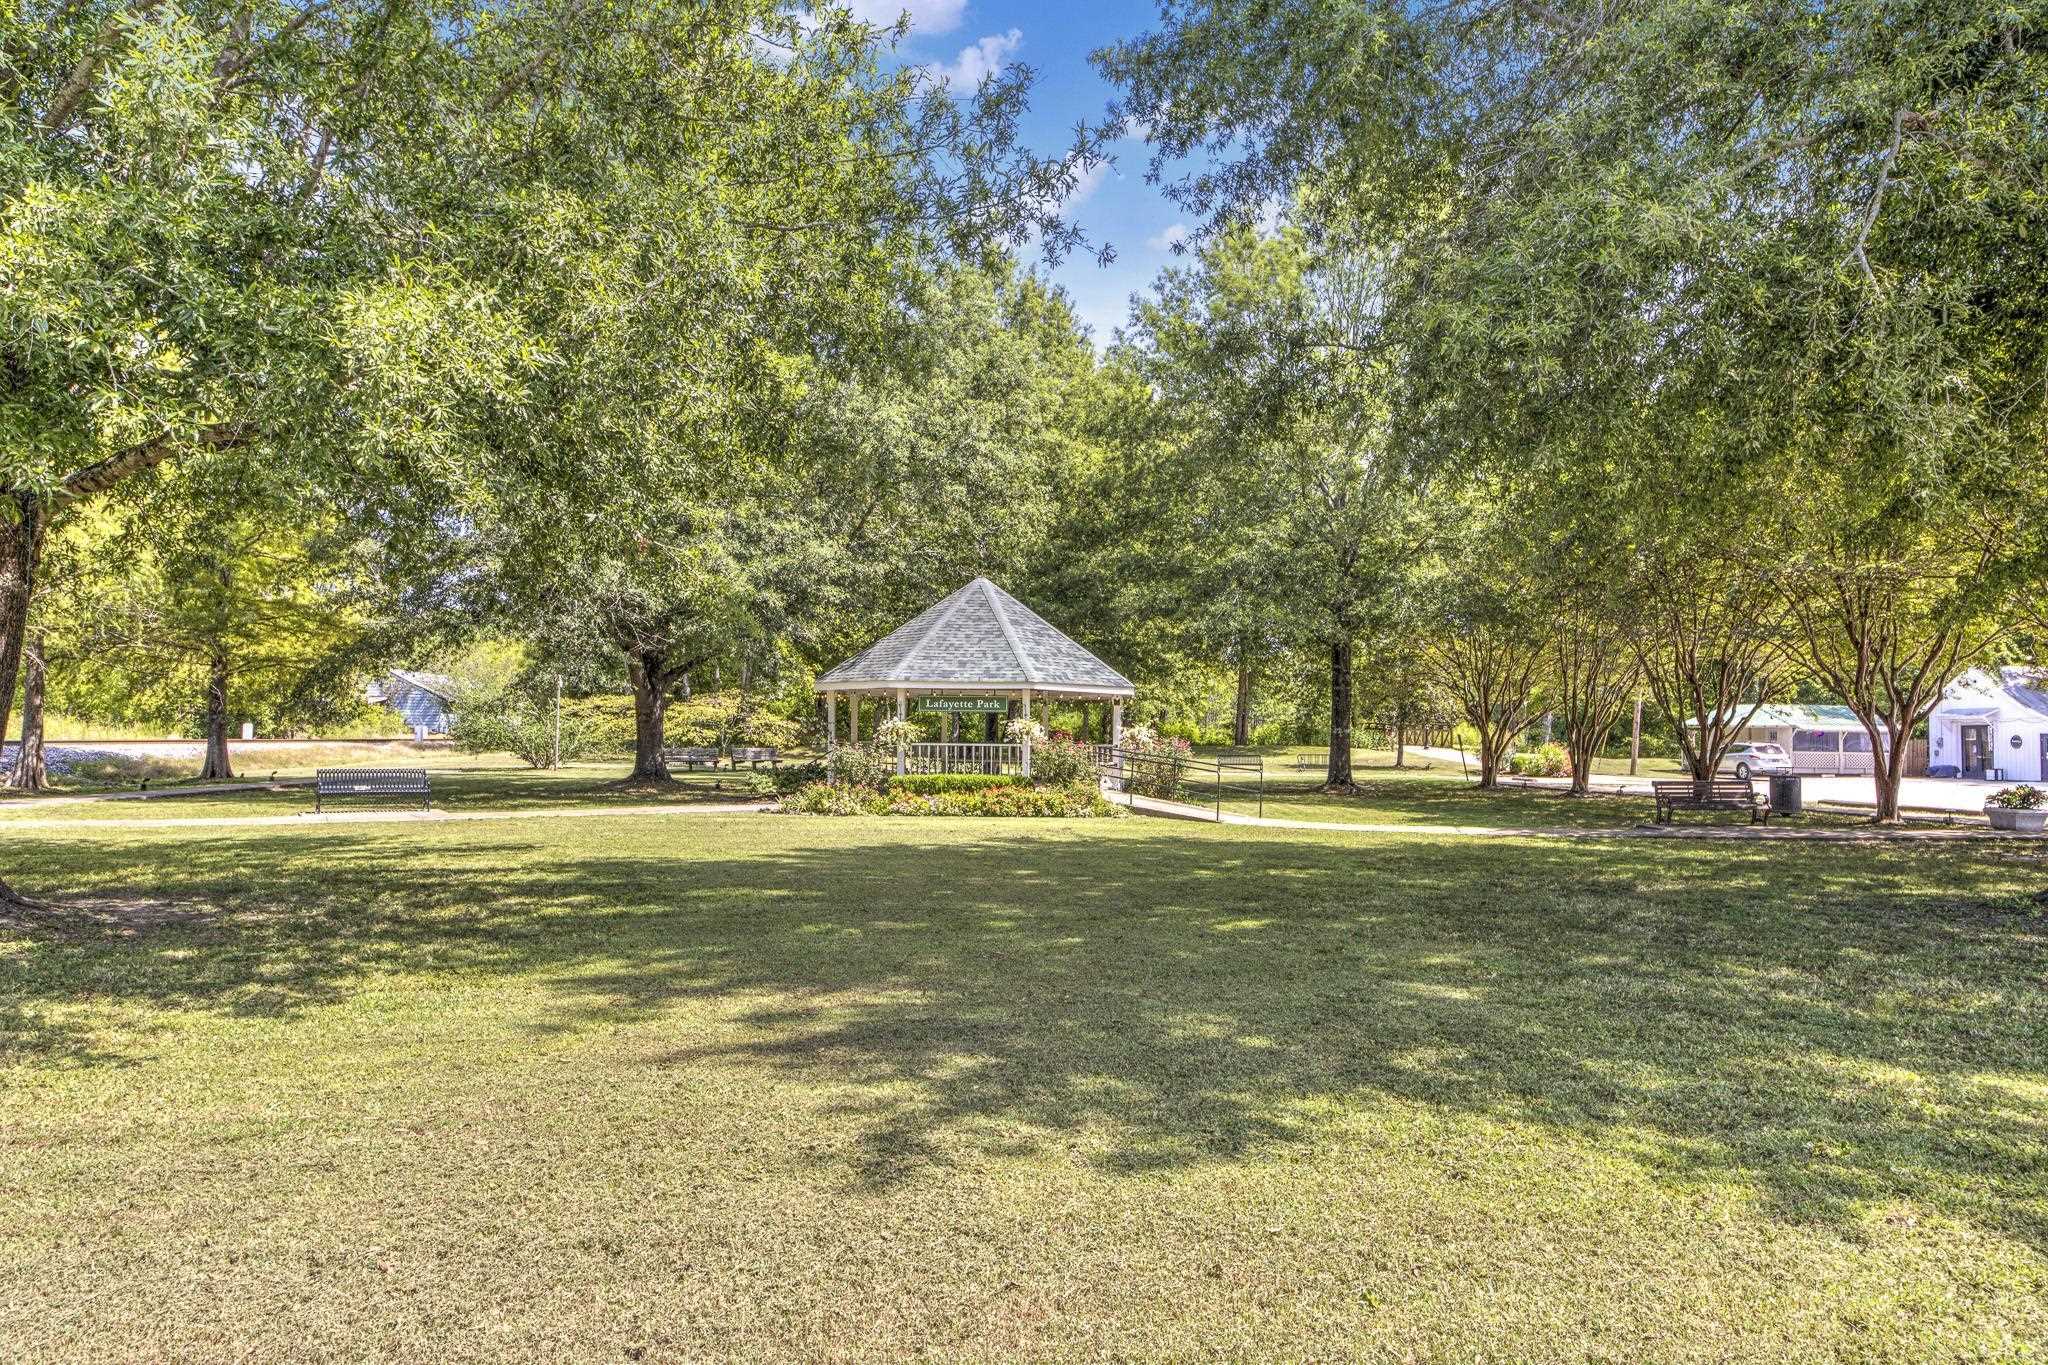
[
  {"x": 1635, "y": 739},
  {"x": 556, "y": 748}
]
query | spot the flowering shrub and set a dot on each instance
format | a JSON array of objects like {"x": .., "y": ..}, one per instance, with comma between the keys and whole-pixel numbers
[
  {"x": 1062, "y": 764},
  {"x": 1025, "y": 730},
  {"x": 826, "y": 798},
  {"x": 1005, "y": 798},
  {"x": 2022, "y": 797},
  {"x": 859, "y": 765},
  {"x": 1023, "y": 801},
  {"x": 1155, "y": 767}
]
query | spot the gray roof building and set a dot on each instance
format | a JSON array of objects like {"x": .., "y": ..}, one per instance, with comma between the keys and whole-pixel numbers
[{"x": 979, "y": 638}]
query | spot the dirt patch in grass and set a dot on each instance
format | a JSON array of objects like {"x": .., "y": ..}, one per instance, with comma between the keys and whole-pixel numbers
[{"x": 115, "y": 913}]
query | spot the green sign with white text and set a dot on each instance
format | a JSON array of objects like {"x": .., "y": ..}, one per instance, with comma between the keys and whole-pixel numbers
[{"x": 977, "y": 706}]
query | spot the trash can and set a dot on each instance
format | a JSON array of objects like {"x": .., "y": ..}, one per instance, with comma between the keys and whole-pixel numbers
[{"x": 1786, "y": 796}]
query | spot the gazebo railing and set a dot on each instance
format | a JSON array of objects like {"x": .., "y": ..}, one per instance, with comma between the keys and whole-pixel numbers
[{"x": 963, "y": 758}]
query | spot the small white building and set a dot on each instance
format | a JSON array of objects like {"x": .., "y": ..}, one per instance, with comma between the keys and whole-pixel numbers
[
  {"x": 1991, "y": 725},
  {"x": 1820, "y": 739}
]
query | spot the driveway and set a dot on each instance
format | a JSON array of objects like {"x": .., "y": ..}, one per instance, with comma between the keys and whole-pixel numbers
[{"x": 1947, "y": 794}]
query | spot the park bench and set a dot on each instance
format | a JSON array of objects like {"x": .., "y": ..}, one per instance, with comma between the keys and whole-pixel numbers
[
  {"x": 693, "y": 759},
  {"x": 1723, "y": 793},
  {"x": 755, "y": 757},
  {"x": 407, "y": 782}
]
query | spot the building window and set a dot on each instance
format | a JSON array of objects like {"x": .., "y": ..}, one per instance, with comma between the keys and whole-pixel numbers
[
  {"x": 1813, "y": 741},
  {"x": 1857, "y": 743}
]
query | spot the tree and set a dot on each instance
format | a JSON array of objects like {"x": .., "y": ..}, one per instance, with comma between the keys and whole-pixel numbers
[
  {"x": 1488, "y": 646},
  {"x": 1273, "y": 358}
]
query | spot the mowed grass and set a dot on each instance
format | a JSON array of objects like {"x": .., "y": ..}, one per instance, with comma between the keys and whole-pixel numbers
[
  {"x": 795, "y": 1088},
  {"x": 1430, "y": 792},
  {"x": 491, "y": 785}
]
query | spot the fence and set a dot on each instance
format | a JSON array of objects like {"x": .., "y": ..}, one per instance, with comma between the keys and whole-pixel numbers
[
  {"x": 1178, "y": 775},
  {"x": 963, "y": 758}
]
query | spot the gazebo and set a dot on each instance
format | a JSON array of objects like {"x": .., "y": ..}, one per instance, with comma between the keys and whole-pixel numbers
[{"x": 973, "y": 653}]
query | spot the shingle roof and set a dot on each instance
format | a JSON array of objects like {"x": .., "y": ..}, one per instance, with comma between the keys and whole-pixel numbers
[{"x": 979, "y": 636}]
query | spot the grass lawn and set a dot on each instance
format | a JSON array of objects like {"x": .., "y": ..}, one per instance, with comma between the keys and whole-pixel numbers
[
  {"x": 795, "y": 1088},
  {"x": 1426, "y": 792},
  {"x": 489, "y": 786}
]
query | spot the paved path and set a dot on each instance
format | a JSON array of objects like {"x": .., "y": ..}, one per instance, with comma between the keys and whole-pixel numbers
[
  {"x": 163, "y": 793},
  {"x": 380, "y": 817}
]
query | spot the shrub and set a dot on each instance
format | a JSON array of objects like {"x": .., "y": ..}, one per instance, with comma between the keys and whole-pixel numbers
[
  {"x": 786, "y": 780},
  {"x": 2022, "y": 797},
  {"x": 520, "y": 721},
  {"x": 1007, "y": 801},
  {"x": 861, "y": 765},
  {"x": 1062, "y": 763},
  {"x": 1159, "y": 765},
  {"x": 826, "y": 798},
  {"x": 1546, "y": 760},
  {"x": 930, "y": 784}
]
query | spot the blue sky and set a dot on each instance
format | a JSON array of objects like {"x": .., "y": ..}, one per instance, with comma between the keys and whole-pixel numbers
[{"x": 1054, "y": 38}]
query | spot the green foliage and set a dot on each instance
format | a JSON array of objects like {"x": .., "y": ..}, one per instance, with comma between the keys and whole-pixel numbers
[
  {"x": 521, "y": 720},
  {"x": 1546, "y": 760},
  {"x": 997, "y": 799},
  {"x": 861, "y": 765},
  {"x": 1062, "y": 763},
  {"x": 930, "y": 784},
  {"x": 725, "y": 719}
]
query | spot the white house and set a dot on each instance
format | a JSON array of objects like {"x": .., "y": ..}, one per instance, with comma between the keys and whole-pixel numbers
[
  {"x": 421, "y": 699},
  {"x": 1820, "y": 739},
  {"x": 1991, "y": 725}
]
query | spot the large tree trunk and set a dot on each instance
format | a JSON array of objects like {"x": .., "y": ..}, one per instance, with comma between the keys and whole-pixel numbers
[
  {"x": 217, "y": 768},
  {"x": 1400, "y": 734},
  {"x": 29, "y": 773},
  {"x": 21, "y": 548},
  {"x": 650, "y": 715},
  {"x": 1339, "y": 775},
  {"x": 1241, "y": 713}
]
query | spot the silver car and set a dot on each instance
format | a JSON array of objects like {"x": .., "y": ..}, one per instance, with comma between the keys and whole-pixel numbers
[{"x": 1751, "y": 760}]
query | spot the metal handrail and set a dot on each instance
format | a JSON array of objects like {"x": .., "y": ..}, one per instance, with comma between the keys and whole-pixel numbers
[{"x": 1217, "y": 769}]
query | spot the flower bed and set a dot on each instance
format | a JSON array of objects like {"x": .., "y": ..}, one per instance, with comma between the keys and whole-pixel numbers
[{"x": 919, "y": 796}]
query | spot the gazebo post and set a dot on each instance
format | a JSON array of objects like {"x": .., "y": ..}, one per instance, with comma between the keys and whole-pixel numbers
[
  {"x": 1116, "y": 723},
  {"x": 853, "y": 717},
  {"x": 831, "y": 721},
  {"x": 1026, "y": 709},
  {"x": 902, "y": 713}
]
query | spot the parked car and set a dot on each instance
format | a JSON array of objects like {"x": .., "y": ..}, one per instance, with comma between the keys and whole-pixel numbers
[{"x": 1750, "y": 760}]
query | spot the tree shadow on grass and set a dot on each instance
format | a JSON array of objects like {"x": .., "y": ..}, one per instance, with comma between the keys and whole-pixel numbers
[{"x": 1829, "y": 1026}]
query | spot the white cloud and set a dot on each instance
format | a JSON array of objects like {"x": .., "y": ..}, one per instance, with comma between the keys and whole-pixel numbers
[
  {"x": 1086, "y": 182},
  {"x": 1168, "y": 239},
  {"x": 926, "y": 16},
  {"x": 987, "y": 56}
]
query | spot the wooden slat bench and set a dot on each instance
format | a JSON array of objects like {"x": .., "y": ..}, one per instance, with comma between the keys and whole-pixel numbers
[
  {"x": 1723, "y": 793},
  {"x": 693, "y": 759},
  {"x": 755, "y": 757},
  {"x": 406, "y": 782}
]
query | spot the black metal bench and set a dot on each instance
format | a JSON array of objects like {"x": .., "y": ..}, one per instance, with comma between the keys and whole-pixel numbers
[
  {"x": 406, "y": 782},
  {"x": 755, "y": 757},
  {"x": 693, "y": 759},
  {"x": 1722, "y": 793}
]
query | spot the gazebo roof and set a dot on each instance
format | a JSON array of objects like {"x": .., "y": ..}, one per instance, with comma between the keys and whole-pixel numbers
[{"x": 979, "y": 636}]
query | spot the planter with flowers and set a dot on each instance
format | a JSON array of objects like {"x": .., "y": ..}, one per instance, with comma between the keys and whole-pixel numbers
[{"x": 2019, "y": 809}]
